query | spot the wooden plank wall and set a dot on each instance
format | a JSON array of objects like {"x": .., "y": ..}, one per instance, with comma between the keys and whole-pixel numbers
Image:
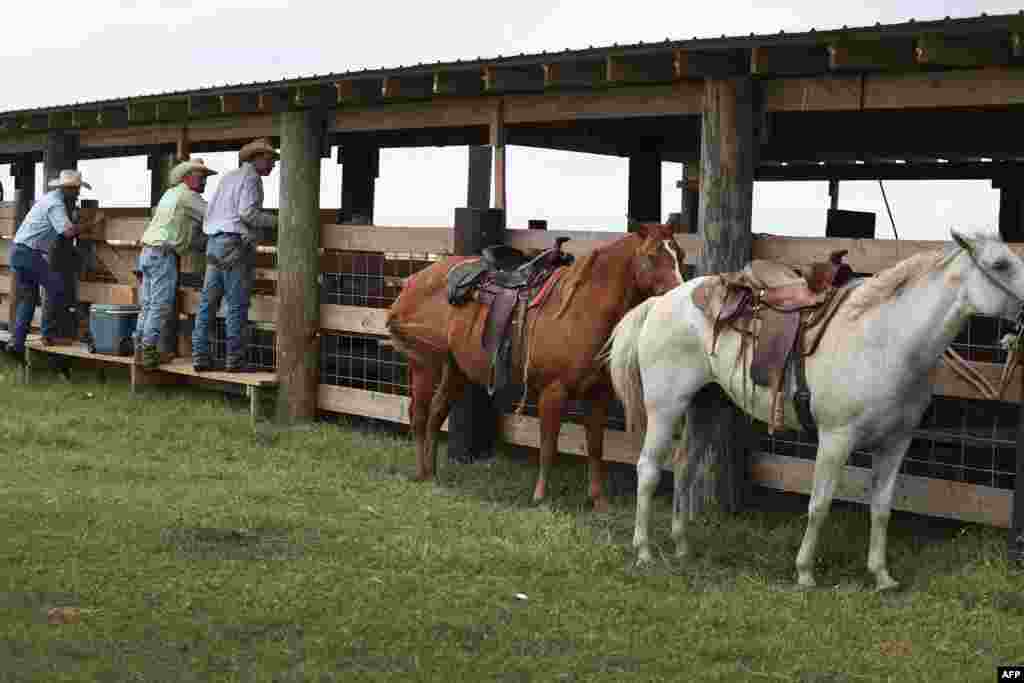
[{"x": 988, "y": 505}]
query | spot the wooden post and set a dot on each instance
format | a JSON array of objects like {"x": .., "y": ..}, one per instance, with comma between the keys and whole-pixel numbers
[
  {"x": 833, "y": 193},
  {"x": 717, "y": 433},
  {"x": 478, "y": 194},
  {"x": 644, "y": 199},
  {"x": 473, "y": 420},
  {"x": 61, "y": 153},
  {"x": 1015, "y": 538},
  {"x": 160, "y": 163},
  {"x": 360, "y": 167},
  {"x": 497, "y": 135},
  {"x": 24, "y": 172},
  {"x": 1011, "y": 207},
  {"x": 298, "y": 267}
]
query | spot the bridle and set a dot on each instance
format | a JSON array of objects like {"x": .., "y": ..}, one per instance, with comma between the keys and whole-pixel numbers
[{"x": 1006, "y": 290}]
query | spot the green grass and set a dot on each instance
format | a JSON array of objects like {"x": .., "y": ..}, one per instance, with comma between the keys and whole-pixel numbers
[{"x": 199, "y": 550}]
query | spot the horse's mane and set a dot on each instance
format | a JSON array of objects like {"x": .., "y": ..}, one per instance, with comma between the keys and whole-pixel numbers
[
  {"x": 886, "y": 284},
  {"x": 580, "y": 271}
]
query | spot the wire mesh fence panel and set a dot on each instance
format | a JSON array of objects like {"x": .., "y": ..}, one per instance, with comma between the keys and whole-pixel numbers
[{"x": 963, "y": 440}]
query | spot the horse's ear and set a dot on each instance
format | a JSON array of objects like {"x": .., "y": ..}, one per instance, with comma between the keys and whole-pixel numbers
[{"x": 961, "y": 240}]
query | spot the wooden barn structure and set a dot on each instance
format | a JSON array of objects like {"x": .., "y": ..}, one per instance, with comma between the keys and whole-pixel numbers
[{"x": 918, "y": 100}]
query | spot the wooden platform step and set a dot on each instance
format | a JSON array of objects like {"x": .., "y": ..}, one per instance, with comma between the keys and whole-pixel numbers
[{"x": 178, "y": 370}]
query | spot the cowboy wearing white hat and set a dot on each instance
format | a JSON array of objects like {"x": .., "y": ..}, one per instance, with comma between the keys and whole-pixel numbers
[
  {"x": 234, "y": 222},
  {"x": 48, "y": 219},
  {"x": 171, "y": 233}
]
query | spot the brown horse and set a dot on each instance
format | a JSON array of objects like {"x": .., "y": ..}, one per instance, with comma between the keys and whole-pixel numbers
[{"x": 443, "y": 343}]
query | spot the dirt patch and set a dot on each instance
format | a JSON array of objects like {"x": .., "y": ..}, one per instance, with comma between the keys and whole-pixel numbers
[{"x": 212, "y": 543}]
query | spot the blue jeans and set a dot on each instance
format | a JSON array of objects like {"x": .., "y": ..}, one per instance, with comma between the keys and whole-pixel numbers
[
  {"x": 159, "y": 287},
  {"x": 30, "y": 271},
  {"x": 232, "y": 283}
]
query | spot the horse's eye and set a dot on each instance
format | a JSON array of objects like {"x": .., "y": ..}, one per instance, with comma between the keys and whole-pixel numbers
[{"x": 1001, "y": 266}]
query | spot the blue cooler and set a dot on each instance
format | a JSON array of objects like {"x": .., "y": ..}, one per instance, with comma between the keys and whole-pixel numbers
[{"x": 111, "y": 327}]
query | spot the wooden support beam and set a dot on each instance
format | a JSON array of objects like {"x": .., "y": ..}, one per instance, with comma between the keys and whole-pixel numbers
[
  {"x": 275, "y": 100},
  {"x": 497, "y": 134},
  {"x": 871, "y": 54},
  {"x": 240, "y": 103},
  {"x": 575, "y": 73},
  {"x": 360, "y": 161},
  {"x": 204, "y": 105},
  {"x": 644, "y": 196},
  {"x": 694, "y": 64},
  {"x": 937, "y": 49},
  {"x": 85, "y": 118},
  {"x": 788, "y": 60},
  {"x": 646, "y": 68},
  {"x": 465, "y": 82},
  {"x": 478, "y": 192},
  {"x": 115, "y": 116},
  {"x": 142, "y": 111},
  {"x": 409, "y": 87},
  {"x": 60, "y": 119},
  {"x": 359, "y": 90},
  {"x": 298, "y": 262},
  {"x": 498, "y": 79},
  {"x": 716, "y": 431}
]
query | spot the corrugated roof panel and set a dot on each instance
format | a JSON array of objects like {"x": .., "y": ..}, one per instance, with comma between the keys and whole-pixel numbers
[{"x": 981, "y": 22}]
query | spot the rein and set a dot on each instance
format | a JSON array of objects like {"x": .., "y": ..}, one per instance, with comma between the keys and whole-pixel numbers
[{"x": 1015, "y": 348}]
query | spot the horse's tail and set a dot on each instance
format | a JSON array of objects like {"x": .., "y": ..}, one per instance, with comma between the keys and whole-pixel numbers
[{"x": 621, "y": 354}]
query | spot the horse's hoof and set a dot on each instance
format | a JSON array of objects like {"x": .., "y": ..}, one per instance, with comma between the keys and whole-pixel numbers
[
  {"x": 886, "y": 586},
  {"x": 806, "y": 581},
  {"x": 601, "y": 505}
]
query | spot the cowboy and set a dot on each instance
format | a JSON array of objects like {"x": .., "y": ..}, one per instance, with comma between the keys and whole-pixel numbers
[
  {"x": 48, "y": 219},
  {"x": 234, "y": 223},
  {"x": 173, "y": 230}
]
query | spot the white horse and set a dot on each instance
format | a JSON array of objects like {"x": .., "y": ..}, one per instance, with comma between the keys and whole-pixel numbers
[{"x": 869, "y": 377}]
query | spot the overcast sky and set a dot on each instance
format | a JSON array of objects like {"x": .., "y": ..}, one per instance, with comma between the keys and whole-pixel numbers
[{"x": 74, "y": 51}]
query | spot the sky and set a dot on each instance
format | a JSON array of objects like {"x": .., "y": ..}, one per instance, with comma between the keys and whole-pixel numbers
[{"x": 108, "y": 49}]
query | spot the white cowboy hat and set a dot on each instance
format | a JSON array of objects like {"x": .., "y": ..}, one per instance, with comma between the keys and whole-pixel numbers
[
  {"x": 179, "y": 172},
  {"x": 257, "y": 146},
  {"x": 69, "y": 178}
]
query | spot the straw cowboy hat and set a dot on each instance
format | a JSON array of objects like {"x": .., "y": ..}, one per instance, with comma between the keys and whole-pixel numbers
[
  {"x": 179, "y": 172},
  {"x": 69, "y": 178},
  {"x": 258, "y": 146}
]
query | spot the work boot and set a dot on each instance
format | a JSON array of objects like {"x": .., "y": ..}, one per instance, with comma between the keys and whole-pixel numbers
[
  {"x": 238, "y": 363},
  {"x": 201, "y": 364},
  {"x": 138, "y": 352},
  {"x": 150, "y": 358}
]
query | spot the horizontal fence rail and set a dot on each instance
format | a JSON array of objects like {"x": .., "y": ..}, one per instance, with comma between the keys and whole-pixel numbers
[{"x": 364, "y": 266}]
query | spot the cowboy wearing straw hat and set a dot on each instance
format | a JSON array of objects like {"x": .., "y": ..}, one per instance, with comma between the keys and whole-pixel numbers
[
  {"x": 234, "y": 223},
  {"x": 171, "y": 233},
  {"x": 48, "y": 219}
]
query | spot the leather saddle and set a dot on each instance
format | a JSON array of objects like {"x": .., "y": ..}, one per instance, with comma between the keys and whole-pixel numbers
[
  {"x": 503, "y": 278},
  {"x": 784, "y": 310}
]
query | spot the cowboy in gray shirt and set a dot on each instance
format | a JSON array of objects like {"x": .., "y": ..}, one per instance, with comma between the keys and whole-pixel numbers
[{"x": 234, "y": 223}]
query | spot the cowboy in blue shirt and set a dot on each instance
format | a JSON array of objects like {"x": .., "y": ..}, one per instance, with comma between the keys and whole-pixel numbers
[{"x": 47, "y": 219}]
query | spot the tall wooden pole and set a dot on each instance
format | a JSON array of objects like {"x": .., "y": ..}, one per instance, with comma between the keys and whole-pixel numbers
[
  {"x": 298, "y": 267},
  {"x": 61, "y": 153},
  {"x": 497, "y": 135},
  {"x": 160, "y": 163},
  {"x": 643, "y": 202},
  {"x": 24, "y": 172},
  {"x": 717, "y": 433}
]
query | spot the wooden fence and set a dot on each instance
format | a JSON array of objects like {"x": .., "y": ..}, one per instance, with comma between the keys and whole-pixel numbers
[{"x": 117, "y": 251}]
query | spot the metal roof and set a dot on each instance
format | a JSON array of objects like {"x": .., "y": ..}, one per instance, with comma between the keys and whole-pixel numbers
[{"x": 910, "y": 28}]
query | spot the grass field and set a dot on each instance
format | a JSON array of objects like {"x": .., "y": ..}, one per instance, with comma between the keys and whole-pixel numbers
[{"x": 198, "y": 550}]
